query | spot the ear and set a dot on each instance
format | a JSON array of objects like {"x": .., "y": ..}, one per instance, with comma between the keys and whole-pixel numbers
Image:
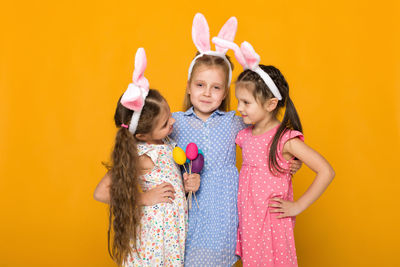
[
  {"x": 141, "y": 137},
  {"x": 201, "y": 33},
  {"x": 227, "y": 32},
  {"x": 271, "y": 104},
  {"x": 188, "y": 87},
  {"x": 140, "y": 66},
  {"x": 252, "y": 58}
]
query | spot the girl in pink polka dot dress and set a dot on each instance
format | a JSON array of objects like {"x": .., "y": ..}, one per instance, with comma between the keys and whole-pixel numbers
[{"x": 265, "y": 199}]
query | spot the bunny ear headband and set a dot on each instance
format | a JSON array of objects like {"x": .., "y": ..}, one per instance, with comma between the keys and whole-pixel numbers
[
  {"x": 249, "y": 59},
  {"x": 201, "y": 39},
  {"x": 136, "y": 93}
]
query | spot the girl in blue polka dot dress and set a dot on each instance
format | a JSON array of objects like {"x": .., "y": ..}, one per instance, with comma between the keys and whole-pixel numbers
[{"x": 211, "y": 239}]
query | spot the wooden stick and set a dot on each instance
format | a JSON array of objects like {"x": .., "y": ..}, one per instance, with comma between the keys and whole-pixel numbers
[
  {"x": 195, "y": 198},
  {"x": 184, "y": 167},
  {"x": 190, "y": 200}
]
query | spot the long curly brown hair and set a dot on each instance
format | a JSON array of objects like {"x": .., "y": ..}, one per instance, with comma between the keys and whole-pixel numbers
[{"x": 124, "y": 217}]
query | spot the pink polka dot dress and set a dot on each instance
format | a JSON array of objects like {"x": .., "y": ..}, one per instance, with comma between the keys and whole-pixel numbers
[{"x": 262, "y": 239}]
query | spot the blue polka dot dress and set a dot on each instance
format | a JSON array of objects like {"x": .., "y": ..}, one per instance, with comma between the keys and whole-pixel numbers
[{"x": 211, "y": 239}]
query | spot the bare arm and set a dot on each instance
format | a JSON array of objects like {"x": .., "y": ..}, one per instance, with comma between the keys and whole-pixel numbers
[
  {"x": 324, "y": 176},
  {"x": 162, "y": 193},
  {"x": 102, "y": 191}
]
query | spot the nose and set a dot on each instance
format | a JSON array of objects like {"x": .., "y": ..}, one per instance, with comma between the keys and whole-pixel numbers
[
  {"x": 240, "y": 107},
  {"x": 207, "y": 91}
]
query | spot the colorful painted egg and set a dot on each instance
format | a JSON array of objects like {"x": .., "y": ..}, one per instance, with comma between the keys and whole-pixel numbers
[
  {"x": 191, "y": 151},
  {"x": 179, "y": 155}
]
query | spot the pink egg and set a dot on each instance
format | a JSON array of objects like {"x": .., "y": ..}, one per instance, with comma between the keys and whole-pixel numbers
[{"x": 191, "y": 151}]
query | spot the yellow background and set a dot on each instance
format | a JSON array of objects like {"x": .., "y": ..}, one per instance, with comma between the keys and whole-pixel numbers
[{"x": 63, "y": 65}]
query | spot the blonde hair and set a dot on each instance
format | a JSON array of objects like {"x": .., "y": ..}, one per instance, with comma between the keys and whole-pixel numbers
[{"x": 211, "y": 61}]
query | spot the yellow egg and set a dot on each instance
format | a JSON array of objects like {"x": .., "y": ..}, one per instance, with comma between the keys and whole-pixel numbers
[{"x": 179, "y": 155}]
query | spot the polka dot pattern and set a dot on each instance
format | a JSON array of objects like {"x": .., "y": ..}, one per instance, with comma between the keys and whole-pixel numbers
[
  {"x": 212, "y": 229},
  {"x": 262, "y": 239}
]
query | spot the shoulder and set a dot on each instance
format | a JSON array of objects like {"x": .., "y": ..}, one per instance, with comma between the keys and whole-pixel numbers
[
  {"x": 242, "y": 136},
  {"x": 177, "y": 115},
  {"x": 291, "y": 134}
]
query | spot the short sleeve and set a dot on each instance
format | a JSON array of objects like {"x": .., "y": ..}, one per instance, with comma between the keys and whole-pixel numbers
[
  {"x": 150, "y": 151},
  {"x": 238, "y": 123},
  {"x": 240, "y": 138},
  {"x": 289, "y": 134}
]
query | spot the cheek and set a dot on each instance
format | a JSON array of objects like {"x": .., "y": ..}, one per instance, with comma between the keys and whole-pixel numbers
[{"x": 220, "y": 96}]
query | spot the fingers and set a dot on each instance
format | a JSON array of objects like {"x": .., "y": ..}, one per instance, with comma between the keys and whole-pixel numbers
[
  {"x": 166, "y": 200},
  {"x": 275, "y": 205},
  {"x": 185, "y": 176},
  {"x": 277, "y": 199},
  {"x": 169, "y": 194},
  {"x": 275, "y": 211},
  {"x": 166, "y": 187}
]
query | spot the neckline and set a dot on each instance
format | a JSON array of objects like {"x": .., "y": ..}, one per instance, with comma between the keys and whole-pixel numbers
[{"x": 264, "y": 133}]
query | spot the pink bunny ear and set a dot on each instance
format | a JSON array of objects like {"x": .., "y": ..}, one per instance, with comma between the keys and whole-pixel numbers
[
  {"x": 140, "y": 67},
  {"x": 224, "y": 44},
  {"x": 227, "y": 32},
  {"x": 132, "y": 98},
  {"x": 252, "y": 58},
  {"x": 201, "y": 33}
]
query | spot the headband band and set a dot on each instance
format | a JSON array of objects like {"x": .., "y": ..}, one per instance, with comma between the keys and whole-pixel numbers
[
  {"x": 249, "y": 59},
  {"x": 211, "y": 53}
]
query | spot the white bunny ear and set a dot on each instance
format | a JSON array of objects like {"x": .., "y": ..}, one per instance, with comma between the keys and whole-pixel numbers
[
  {"x": 201, "y": 33},
  {"x": 252, "y": 58},
  {"x": 227, "y": 32},
  {"x": 140, "y": 66},
  {"x": 224, "y": 44}
]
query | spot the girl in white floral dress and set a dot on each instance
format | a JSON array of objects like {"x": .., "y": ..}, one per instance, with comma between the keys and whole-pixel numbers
[
  {"x": 163, "y": 226},
  {"x": 144, "y": 187}
]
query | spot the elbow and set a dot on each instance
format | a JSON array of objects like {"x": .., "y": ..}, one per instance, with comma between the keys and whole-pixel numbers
[
  {"x": 101, "y": 197},
  {"x": 331, "y": 173},
  {"x": 96, "y": 195}
]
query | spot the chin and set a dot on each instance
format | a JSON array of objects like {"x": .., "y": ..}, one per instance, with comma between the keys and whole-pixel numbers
[{"x": 246, "y": 120}]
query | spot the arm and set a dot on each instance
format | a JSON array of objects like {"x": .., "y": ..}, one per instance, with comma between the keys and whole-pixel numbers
[
  {"x": 324, "y": 176},
  {"x": 102, "y": 191},
  {"x": 162, "y": 193}
]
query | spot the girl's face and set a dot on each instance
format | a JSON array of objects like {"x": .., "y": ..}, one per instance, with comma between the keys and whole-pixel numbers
[
  {"x": 207, "y": 90},
  {"x": 163, "y": 126},
  {"x": 252, "y": 111}
]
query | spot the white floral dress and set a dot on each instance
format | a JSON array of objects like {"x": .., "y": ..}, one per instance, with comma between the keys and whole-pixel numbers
[{"x": 161, "y": 240}]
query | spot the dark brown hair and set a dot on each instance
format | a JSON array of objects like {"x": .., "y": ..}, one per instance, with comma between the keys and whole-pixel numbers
[
  {"x": 252, "y": 81},
  {"x": 211, "y": 61},
  {"x": 124, "y": 218}
]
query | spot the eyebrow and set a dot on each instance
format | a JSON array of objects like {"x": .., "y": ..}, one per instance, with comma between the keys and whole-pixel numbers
[
  {"x": 165, "y": 124},
  {"x": 166, "y": 121}
]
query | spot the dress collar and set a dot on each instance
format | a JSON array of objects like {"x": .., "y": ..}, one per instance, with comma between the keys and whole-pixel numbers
[{"x": 190, "y": 111}]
